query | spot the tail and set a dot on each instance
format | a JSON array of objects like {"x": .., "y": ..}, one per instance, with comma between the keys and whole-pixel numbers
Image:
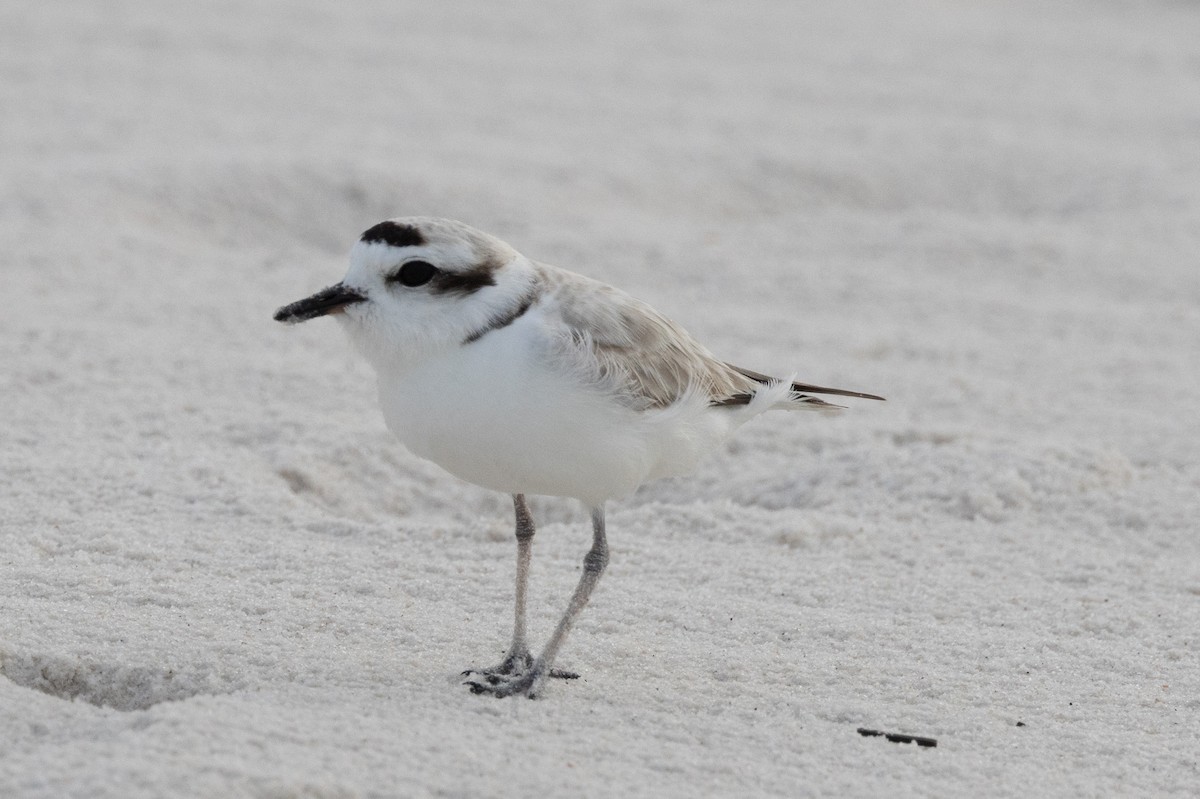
[{"x": 799, "y": 396}]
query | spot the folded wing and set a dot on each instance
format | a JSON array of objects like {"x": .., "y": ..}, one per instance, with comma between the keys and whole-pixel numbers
[{"x": 649, "y": 361}]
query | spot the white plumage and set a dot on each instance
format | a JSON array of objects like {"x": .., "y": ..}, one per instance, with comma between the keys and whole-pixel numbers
[{"x": 528, "y": 379}]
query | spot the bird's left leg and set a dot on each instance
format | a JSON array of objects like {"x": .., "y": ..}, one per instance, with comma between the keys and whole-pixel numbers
[{"x": 518, "y": 660}]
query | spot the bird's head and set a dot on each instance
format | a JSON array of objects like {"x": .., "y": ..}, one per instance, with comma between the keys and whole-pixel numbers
[{"x": 416, "y": 285}]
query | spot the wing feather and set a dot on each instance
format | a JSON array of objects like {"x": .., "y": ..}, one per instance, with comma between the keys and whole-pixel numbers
[{"x": 647, "y": 360}]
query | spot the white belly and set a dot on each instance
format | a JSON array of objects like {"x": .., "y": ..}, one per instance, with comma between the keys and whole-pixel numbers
[{"x": 493, "y": 414}]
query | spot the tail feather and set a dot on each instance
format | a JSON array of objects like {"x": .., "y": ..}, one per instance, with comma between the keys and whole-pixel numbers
[
  {"x": 811, "y": 403},
  {"x": 800, "y": 392}
]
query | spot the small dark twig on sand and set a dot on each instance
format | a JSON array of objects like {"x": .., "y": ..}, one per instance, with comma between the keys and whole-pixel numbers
[{"x": 898, "y": 738}]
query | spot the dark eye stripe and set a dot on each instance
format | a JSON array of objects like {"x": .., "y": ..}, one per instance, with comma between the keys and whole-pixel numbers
[{"x": 463, "y": 282}]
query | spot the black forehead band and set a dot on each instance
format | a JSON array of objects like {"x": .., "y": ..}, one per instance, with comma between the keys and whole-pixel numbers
[{"x": 395, "y": 234}]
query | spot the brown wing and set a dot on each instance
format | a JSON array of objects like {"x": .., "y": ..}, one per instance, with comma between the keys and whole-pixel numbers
[{"x": 648, "y": 360}]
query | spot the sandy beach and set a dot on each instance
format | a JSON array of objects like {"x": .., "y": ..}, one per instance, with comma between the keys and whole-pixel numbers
[{"x": 221, "y": 576}]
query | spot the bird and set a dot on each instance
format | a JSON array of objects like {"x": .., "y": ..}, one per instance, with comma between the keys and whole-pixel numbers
[{"x": 529, "y": 379}]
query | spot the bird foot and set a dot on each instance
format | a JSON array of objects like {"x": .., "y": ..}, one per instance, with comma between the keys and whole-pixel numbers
[
  {"x": 528, "y": 683},
  {"x": 518, "y": 673}
]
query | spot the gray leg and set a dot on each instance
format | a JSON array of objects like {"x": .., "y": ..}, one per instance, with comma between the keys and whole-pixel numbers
[
  {"x": 531, "y": 681},
  {"x": 518, "y": 658}
]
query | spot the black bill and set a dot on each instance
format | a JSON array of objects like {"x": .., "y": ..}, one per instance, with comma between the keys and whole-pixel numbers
[{"x": 325, "y": 301}]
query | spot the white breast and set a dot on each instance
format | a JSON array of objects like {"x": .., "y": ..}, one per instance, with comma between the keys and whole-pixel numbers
[{"x": 494, "y": 413}]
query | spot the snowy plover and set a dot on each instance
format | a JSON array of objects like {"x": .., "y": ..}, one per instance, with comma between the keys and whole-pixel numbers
[{"x": 528, "y": 379}]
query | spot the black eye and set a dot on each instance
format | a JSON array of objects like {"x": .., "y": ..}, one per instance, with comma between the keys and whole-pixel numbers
[{"x": 414, "y": 273}]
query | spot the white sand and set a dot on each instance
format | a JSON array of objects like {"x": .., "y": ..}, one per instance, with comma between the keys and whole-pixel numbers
[{"x": 219, "y": 576}]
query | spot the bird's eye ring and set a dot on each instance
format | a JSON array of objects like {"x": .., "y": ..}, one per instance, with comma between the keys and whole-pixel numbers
[{"x": 414, "y": 273}]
